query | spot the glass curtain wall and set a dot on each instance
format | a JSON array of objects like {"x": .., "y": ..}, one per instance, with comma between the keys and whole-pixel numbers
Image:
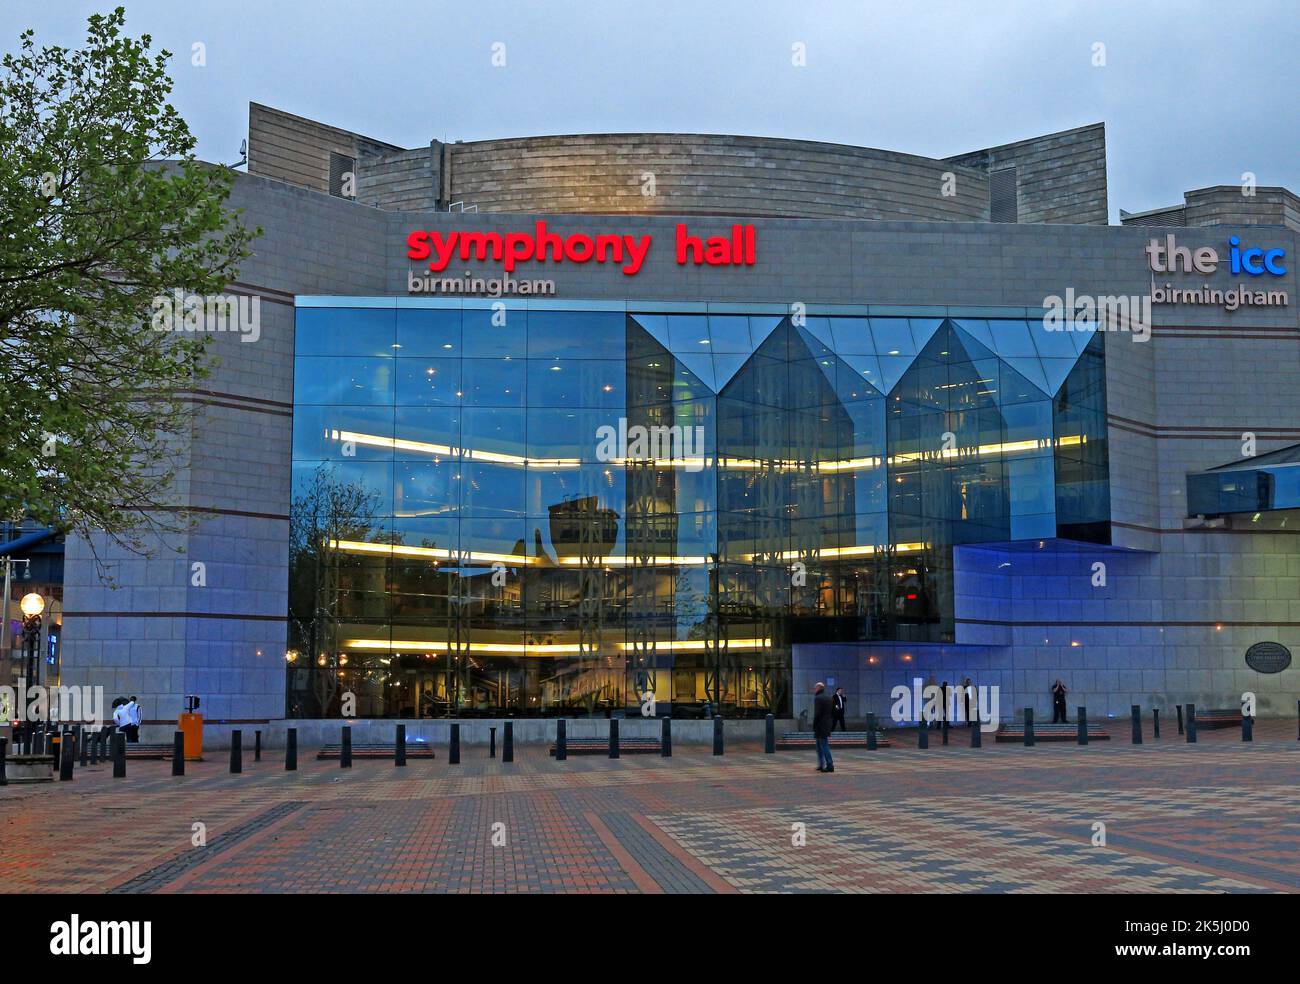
[{"x": 545, "y": 512}]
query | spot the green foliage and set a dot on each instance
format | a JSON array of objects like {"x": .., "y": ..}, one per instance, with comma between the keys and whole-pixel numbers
[{"x": 103, "y": 206}]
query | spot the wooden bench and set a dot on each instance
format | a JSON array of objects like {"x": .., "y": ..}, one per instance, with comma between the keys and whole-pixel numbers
[
  {"x": 1219, "y": 717},
  {"x": 370, "y": 750},
  {"x": 1052, "y": 732},
  {"x": 141, "y": 750},
  {"x": 600, "y": 746},
  {"x": 839, "y": 739}
]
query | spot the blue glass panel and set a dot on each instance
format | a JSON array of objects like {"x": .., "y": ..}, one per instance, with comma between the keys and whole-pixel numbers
[
  {"x": 977, "y": 328},
  {"x": 428, "y": 487},
  {"x": 1031, "y": 369},
  {"x": 495, "y": 432},
  {"x": 489, "y": 334},
  {"x": 1056, "y": 371},
  {"x": 656, "y": 325},
  {"x": 688, "y": 333},
  {"x": 1052, "y": 344},
  {"x": 923, "y": 330},
  {"x": 852, "y": 336},
  {"x": 891, "y": 371},
  {"x": 435, "y": 426},
  {"x": 729, "y": 334},
  {"x": 371, "y": 480},
  {"x": 575, "y": 383},
  {"x": 357, "y": 382},
  {"x": 428, "y": 382},
  {"x": 893, "y": 337},
  {"x": 1011, "y": 339},
  {"x": 319, "y": 432},
  {"x": 344, "y": 331},
  {"x": 576, "y": 335},
  {"x": 427, "y": 331},
  {"x": 700, "y": 364},
  {"x": 492, "y": 490},
  {"x": 494, "y": 382},
  {"x": 725, "y": 366}
]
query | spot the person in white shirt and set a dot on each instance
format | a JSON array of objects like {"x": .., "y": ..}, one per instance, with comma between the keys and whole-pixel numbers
[
  {"x": 133, "y": 717},
  {"x": 121, "y": 716}
]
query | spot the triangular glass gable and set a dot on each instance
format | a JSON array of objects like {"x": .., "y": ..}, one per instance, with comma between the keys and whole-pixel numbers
[
  {"x": 701, "y": 364},
  {"x": 865, "y": 368},
  {"x": 656, "y": 325},
  {"x": 725, "y": 366}
]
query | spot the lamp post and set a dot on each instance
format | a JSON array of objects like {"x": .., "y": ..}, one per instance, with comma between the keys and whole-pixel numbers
[{"x": 31, "y": 606}]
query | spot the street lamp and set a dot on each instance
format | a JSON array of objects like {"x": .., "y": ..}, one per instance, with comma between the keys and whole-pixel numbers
[{"x": 31, "y": 606}]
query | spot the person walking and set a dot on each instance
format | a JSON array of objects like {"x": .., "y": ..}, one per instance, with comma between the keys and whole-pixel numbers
[
  {"x": 1058, "y": 702},
  {"x": 823, "y": 712},
  {"x": 838, "y": 708}
]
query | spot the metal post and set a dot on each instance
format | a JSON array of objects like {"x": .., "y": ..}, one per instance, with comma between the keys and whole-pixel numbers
[
  {"x": 923, "y": 735},
  {"x": 613, "y": 737},
  {"x": 976, "y": 732},
  {"x": 1029, "y": 727},
  {"x": 453, "y": 748},
  {"x": 1191, "y": 723},
  {"x": 119, "y": 755},
  {"x": 291, "y": 750},
  {"x": 944, "y": 730},
  {"x": 492, "y": 742},
  {"x": 561, "y": 741},
  {"x": 666, "y": 739},
  {"x": 399, "y": 747},
  {"x": 1083, "y": 726},
  {"x": 1137, "y": 724},
  {"x": 66, "y": 761},
  {"x": 1247, "y": 728},
  {"x": 1155, "y": 722},
  {"x": 178, "y": 753},
  {"x": 4, "y": 751},
  {"x": 769, "y": 735},
  {"x": 1179, "y": 708},
  {"x": 95, "y": 742},
  {"x": 871, "y": 733},
  {"x": 508, "y": 742},
  {"x": 345, "y": 749},
  {"x": 717, "y": 734},
  {"x": 83, "y": 739},
  {"x": 257, "y": 746},
  {"x": 236, "y": 751}
]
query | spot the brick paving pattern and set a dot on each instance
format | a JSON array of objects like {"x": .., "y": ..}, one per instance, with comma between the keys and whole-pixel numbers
[{"x": 1217, "y": 816}]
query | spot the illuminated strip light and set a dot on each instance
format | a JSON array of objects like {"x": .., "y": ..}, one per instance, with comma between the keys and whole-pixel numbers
[
  {"x": 432, "y": 553},
  {"x": 858, "y": 550},
  {"x": 514, "y": 560},
  {"x": 446, "y": 450},
  {"x": 549, "y": 649},
  {"x": 698, "y": 463},
  {"x": 684, "y": 561}
]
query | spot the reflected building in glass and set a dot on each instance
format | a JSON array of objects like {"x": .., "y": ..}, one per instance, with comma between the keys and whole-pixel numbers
[{"x": 546, "y": 508}]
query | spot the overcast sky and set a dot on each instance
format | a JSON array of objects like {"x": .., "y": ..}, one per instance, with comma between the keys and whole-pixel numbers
[{"x": 1192, "y": 94}]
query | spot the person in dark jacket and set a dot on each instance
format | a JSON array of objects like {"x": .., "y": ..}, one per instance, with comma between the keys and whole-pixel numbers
[
  {"x": 823, "y": 722},
  {"x": 838, "y": 705},
  {"x": 1058, "y": 702}
]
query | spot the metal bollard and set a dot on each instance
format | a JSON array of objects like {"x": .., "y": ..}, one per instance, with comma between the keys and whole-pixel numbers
[
  {"x": 4, "y": 751},
  {"x": 944, "y": 730},
  {"x": 1247, "y": 728},
  {"x": 717, "y": 734},
  {"x": 1191, "y": 723},
  {"x": 508, "y": 742},
  {"x": 453, "y": 746},
  {"x": 66, "y": 761},
  {"x": 399, "y": 747},
  {"x": 95, "y": 742},
  {"x": 291, "y": 750},
  {"x": 561, "y": 741},
  {"x": 923, "y": 735},
  {"x": 976, "y": 732},
  {"x": 236, "y": 752},
  {"x": 492, "y": 742},
  {"x": 1137, "y": 724},
  {"x": 345, "y": 749},
  {"x": 666, "y": 739},
  {"x": 1155, "y": 722},
  {"x": 1083, "y": 726},
  {"x": 1029, "y": 727},
  {"x": 119, "y": 755},
  {"x": 83, "y": 739},
  {"x": 1179, "y": 708},
  {"x": 871, "y": 732},
  {"x": 613, "y": 737},
  {"x": 769, "y": 735},
  {"x": 257, "y": 746},
  {"x": 178, "y": 753}
]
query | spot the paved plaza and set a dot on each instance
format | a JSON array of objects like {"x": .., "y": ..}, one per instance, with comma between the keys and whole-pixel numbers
[{"x": 1217, "y": 816}]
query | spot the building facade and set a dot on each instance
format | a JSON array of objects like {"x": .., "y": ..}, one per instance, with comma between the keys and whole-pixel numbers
[{"x": 681, "y": 424}]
